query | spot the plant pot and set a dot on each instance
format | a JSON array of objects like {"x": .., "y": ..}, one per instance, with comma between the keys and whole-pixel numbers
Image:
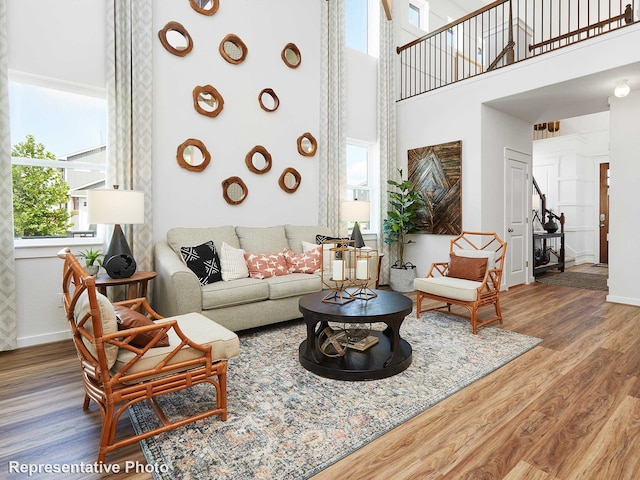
[
  {"x": 92, "y": 269},
  {"x": 401, "y": 278}
]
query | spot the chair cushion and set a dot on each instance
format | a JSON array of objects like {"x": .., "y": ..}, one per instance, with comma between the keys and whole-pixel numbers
[
  {"x": 449, "y": 287},
  {"x": 468, "y": 268},
  {"x": 488, "y": 254},
  {"x": 128, "y": 318},
  {"x": 224, "y": 343},
  {"x": 236, "y": 292},
  {"x": 109, "y": 324}
]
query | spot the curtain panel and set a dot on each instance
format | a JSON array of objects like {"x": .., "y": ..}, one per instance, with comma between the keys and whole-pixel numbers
[
  {"x": 8, "y": 315},
  {"x": 130, "y": 111},
  {"x": 332, "y": 146}
]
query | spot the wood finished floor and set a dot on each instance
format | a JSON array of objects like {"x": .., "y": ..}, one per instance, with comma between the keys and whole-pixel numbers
[{"x": 568, "y": 409}]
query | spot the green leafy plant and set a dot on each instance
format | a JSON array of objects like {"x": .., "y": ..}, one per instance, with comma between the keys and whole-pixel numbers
[
  {"x": 91, "y": 256},
  {"x": 404, "y": 203}
]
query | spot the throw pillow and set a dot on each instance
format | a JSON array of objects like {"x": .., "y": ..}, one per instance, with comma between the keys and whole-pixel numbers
[
  {"x": 233, "y": 263},
  {"x": 128, "y": 318},
  {"x": 308, "y": 262},
  {"x": 467, "y": 268},
  {"x": 267, "y": 265},
  {"x": 203, "y": 260}
]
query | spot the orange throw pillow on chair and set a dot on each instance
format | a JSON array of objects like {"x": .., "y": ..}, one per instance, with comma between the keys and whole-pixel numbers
[
  {"x": 128, "y": 318},
  {"x": 467, "y": 268}
]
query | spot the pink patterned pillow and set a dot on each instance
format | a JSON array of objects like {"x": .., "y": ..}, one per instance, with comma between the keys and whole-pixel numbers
[
  {"x": 263, "y": 265},
  {"x": 307, "y": 262}
]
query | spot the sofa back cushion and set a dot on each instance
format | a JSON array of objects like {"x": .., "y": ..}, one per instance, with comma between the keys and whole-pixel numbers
[
  {"x": 262, "y": 239},
  {"x": 296, "y": 234},
  {"x": 193, "y": 236}
]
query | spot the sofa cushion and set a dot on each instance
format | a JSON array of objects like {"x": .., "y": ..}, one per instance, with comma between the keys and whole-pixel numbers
[
  {"x": 296, "y": 234},
  {"x": 203, "y": 260},
  {"x": 232, "y": 263},
  {"x": 224, "y": 343},
  {"x": 293, "y": 285},
  {"x": 262, "y": 239},
  {"x": 468, "y": 268},
  {"x": 128, "y": 318},
  {"x": 449, "y": 287},
  {"x": 237, "y": 292},
  {"x": 191, "y": 236},
  {"x": 107, "y": 318}
]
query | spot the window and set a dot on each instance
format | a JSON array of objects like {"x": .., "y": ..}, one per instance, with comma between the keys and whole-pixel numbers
[
  {"x": 414, "y": 15},
  {"x": 417, "y": 15},
  {"x": 58, "y": 135},
  {"x": 361, "y": 178},
  {"x": 361, "y": 25}
]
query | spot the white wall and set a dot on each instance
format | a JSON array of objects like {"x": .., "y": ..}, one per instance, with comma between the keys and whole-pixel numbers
[{"x": 184, "y": 198}]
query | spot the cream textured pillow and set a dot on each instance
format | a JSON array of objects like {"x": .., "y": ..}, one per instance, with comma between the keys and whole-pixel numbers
[
  {"x": 232, "y": 263},
  {"x": 109, "y": 324}
]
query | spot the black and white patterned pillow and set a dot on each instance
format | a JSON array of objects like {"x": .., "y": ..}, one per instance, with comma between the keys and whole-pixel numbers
[
  {"x": 203, "y": 260},
  {"x": 325, "y": 238}
]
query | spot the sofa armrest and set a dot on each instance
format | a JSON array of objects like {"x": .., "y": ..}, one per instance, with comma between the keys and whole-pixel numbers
[{"x": 176, "y": 289}]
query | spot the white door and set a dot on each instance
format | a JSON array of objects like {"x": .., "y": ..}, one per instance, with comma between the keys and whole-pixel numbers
[{"x": 517, "y": 200}]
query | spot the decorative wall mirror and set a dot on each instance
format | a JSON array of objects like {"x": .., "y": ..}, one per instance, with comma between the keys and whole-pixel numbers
[
  {"x": 258, "y": 160},
  {"x": 207, "y": 100},
  {"x": 268, "y": 99},
  {"x": 175, "y": 39},
  {"x": 290, "y": 179},
  {"x": 205, "y": 7},
  {"x": 234, "y": 190},
  {"x": 193, "y": 155},
  {"x": 291, "y": 55},
  {"x": 307, "y": 145},
  {"x": 232, "y": 49}
]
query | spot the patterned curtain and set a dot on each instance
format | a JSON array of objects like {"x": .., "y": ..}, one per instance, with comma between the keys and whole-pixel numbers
[
  {"x": 386, "y": 126},
  {"x": 8, "y": 317},
  {"x": 332, "y": 147},
  {"x": 129, "y": 99}
]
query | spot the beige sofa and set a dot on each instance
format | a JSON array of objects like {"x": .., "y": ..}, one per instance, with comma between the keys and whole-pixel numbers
[{"x": 236, "y": 304}]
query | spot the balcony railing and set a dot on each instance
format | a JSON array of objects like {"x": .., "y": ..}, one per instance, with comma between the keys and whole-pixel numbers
[{"x": 502, "y": 33}]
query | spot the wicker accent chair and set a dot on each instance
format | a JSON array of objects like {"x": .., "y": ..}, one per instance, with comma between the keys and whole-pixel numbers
[
  {"x": 124, "y": 367},
  {"x": 466, "y": 280}
]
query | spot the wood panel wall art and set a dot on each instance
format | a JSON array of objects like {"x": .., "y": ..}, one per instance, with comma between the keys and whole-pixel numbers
[{"x": 437, "y": 172}]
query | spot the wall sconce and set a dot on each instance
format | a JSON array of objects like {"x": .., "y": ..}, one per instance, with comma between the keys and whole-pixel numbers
[
  {"x": 117, "y": 207},
  {"x": 622, "y": 89}
]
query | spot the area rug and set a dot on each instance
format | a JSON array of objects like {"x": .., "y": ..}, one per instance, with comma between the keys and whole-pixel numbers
[
  {"x": 589, "y": 281},
  {"x": 287, "y": 423}
]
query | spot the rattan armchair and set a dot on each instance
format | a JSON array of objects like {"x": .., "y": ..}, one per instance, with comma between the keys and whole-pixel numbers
[
  {"x": 117, "y": 374},
  {"x": 470, "y": 286}
]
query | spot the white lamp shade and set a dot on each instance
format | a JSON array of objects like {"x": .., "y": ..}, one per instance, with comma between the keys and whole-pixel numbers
[
  {"x": 535, "y": 202},
  {"x": 113, "y": 206},
  {"x": 356, "y": 211}
]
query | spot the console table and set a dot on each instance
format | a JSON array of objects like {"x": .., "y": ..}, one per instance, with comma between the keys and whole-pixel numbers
[
  {"x": 391, "y": 355},
  {"x": 543, "y": 245}
]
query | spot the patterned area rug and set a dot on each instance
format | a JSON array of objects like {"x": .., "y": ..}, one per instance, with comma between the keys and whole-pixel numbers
[
  {"x": 286, "y": 422},
  {"x": 589, "y": 281}
]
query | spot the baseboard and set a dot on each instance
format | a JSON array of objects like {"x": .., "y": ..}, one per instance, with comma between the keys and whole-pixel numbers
[
  {"x": 623, "y": 300},
  {"x": 41, "y": 339}
]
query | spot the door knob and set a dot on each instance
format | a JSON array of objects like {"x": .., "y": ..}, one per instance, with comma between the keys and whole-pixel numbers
[{"x": 510, "y": 230}]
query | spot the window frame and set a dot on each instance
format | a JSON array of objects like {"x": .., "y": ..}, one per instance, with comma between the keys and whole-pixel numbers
[
  {"x": 373, "y": 29},
  {"x": 373, "y": 183}
]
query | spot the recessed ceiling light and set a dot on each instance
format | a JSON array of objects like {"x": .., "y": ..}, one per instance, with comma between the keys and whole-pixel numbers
[{"x": 622, "y": 89}]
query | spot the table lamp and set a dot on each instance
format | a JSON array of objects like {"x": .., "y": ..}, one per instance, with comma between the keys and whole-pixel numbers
[
  {"x": 356, "y": 211},
  {"x": 117, "y": 207}
]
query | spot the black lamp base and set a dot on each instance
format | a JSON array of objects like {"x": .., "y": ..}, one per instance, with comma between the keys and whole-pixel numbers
[
  {"x": 118, "y": 261},
  {"x": 356, "y": 236}
]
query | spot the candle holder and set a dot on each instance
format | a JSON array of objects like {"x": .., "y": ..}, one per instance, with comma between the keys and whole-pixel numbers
[
  {"x": 366, "y": 269},
  {"x": 336, "y": 271}
]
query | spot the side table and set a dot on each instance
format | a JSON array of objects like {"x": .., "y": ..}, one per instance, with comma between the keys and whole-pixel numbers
[{"x": 136, "y": 284}]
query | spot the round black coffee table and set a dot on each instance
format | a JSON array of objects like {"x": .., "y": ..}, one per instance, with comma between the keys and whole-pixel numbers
[{"x": 391, "y": 355}]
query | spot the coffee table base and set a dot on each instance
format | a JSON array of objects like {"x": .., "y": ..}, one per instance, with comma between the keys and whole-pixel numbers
[{"x": 372, "y": 364}]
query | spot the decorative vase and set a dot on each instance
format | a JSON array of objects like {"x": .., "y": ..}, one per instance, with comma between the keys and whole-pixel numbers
[
  {"x": 551, "y": 226},
  {"x": 401, "y": 278}
]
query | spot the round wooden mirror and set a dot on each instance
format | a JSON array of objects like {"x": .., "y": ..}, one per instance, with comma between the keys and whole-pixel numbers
[
  {"x": 307, "y": 145},
  {"x": 205, "y": 7},
  {"x": 291, "y": 55},
  {"x": 258, "y": 160},
  {"x": 232, "y": 49},
  {"x": 268, "y": 100},
  {"x": 290, "y": 179},
  {"x": 193, "y": 155},
  {"x": 207, "y": 101},
  {"x": 175, "y": 39},
  {"x": 234, "y": 190}
]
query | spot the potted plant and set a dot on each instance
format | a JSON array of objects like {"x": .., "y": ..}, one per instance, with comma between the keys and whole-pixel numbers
[
  {"x": 404, "y": 203},
  {"x": 91, "y": 256}
]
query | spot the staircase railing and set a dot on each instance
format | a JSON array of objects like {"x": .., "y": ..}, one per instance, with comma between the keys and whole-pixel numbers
[
  {"x": 540, "y": 212},
  {"x": 502, "y": 33}
]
